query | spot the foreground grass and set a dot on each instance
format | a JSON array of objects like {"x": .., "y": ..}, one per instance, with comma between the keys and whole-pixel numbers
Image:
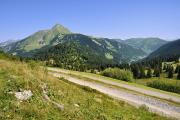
[{"x": 80, "y": 103}]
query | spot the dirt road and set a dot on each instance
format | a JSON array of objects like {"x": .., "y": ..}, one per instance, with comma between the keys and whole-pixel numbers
[
  {"x": 134, "y": 98},
  {"x": 126, "y": 86}
]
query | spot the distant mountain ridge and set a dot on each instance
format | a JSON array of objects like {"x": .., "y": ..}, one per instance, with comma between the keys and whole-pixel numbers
[
  {"x": 148, "y": 45},
  {"x": 170, "y": 49},
  {"x": 6, "y": 45},
  {"x": 58, "y": 43}
]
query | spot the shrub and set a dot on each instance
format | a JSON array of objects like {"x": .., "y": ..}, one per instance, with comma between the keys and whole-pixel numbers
[
  {"x": 170, "y": 72},
  {"x": 156, "y": 72},
  {"x": 117, "y": 73},
  {"x": 178, "y": 76},
  {"x": 171, "y": 86},
  {"x": 32, "y": 64},
  {"x": 149, "y": 73}
]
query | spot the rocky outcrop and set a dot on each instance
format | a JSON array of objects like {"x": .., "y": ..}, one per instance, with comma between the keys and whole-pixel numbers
[{"x": 24, "y": 95}]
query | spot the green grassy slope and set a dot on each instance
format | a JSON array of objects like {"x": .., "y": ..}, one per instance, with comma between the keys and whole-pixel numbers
[
  {"x": 36, "y": 40},
  {"x": 16, "y": 76}
]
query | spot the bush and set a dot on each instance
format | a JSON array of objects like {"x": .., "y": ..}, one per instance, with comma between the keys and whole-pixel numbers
[
  {"x": 170, "y": 86},
  {"x": 117, "y": 73}
]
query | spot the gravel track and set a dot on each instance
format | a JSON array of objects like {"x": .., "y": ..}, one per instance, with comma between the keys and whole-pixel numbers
[
  {"x": 155, "y": 105},
  {"x": 126, "y": 86}
]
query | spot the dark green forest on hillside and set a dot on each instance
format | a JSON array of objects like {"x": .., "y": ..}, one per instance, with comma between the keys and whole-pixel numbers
[
  {"x": 81, "y": 52},
  {"x": 71, "y": 55}
]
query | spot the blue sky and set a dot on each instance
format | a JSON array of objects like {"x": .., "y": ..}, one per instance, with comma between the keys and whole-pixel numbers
[{"x": 102, "y": 18}]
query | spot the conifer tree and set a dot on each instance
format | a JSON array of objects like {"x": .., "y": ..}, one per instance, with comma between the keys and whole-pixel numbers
[
  {"x": 170, "y": 72},
  {"x": 165, "y": 67},
  {"x": 156, "y": 72},
  {"x": 178, "y": 76},
  {"x": 177, "y": 69},
  {"x": 142, "y": 72},
  {"x": 149, "y": 73},
  {"x": 135, "y": 71}
]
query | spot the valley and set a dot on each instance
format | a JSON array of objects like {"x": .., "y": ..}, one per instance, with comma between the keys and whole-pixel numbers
[{"x": 72, "y": 74}]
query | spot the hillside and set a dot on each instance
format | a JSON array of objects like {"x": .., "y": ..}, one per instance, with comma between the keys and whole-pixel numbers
[
  {"x": 36, "y": 40},
  {"x": 76, "y": 102},
  {"x": 93, "y": 51},
  {"x": 6, "y": 45},
  {"x": 148, "y": 45},
  {"x": 75, "y": 50},
  {"x": 167, "y": 50}
]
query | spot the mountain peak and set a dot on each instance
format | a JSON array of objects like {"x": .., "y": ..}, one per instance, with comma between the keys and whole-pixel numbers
[
  {"x": 57, "y": 25},
  {"x": 60, "y": 28}
]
